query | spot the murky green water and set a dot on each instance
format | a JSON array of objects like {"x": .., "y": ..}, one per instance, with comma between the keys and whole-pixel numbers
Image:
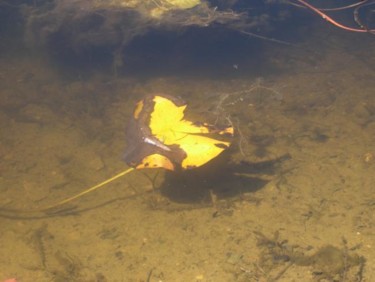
[{"x": 291, "y": 200}]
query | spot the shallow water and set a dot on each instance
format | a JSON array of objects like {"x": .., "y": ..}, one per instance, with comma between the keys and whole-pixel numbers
[{"x": 299, "y": 207}]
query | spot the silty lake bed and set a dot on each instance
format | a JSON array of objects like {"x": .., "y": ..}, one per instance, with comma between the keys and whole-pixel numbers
[{"x": 300, "y": 207}]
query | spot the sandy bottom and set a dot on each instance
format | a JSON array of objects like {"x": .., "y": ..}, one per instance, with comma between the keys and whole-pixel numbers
[{"x": 300, "y": 208}]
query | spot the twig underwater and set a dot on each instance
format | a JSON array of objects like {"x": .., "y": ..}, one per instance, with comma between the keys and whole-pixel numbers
[{"x": 356, "y": 7}]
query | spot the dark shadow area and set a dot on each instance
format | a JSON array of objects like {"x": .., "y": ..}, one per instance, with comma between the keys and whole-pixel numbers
[
  {"x": 11, "y": 28},
  {"x": 223, "y": 39},
  {"x": 196, "y": 52},
  {"x": 220, "y": 178}
]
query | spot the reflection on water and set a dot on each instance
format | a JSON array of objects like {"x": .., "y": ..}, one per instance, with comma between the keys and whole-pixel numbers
[{"x": 292, "y": 199}]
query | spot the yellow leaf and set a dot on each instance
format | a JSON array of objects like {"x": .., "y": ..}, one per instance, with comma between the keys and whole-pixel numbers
[{"x": 161, "y": 137}]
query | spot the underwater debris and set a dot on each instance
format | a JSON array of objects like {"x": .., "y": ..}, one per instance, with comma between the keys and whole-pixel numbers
[
  {"x": 84, "y": 23},
  {"x": 328, "y": 263}
]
